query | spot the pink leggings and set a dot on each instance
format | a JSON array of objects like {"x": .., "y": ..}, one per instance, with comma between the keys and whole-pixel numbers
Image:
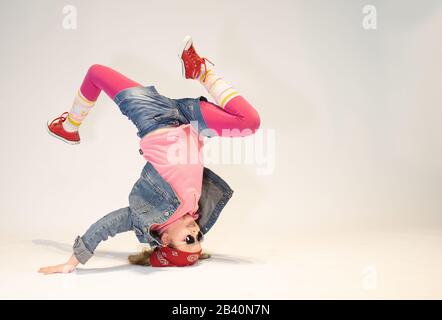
[{"x": 237, "y": 114}]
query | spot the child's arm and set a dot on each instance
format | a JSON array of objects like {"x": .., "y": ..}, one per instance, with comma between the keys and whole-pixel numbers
[{"x": 117, "y": 221}]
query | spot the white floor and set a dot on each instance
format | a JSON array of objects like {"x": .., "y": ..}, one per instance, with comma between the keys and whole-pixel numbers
[{"x": 387, "y": 265}]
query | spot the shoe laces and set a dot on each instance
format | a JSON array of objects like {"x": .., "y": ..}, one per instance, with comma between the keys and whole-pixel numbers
[
  {"x": 205, "y": 67},
  {"x": 63, "y": 117},
  {"x": 195, "y": 58}
]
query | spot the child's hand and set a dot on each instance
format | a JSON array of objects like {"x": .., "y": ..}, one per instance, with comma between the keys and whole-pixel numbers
[
  {"x": 61, "y": 268},
  {"x": 67, "y": 267}
]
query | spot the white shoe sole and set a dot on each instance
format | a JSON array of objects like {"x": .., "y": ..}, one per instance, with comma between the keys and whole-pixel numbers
[
  {"x": 58, "y": 137},
  {"x": 187, "y": 42}
]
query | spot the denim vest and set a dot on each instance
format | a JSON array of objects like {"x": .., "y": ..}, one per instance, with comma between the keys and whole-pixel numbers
[{"x": 152, "y": 200}]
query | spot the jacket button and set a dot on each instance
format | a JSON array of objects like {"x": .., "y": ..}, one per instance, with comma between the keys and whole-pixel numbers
[
  {"x": 140, "y": 151},
  {"x": 167, "y": 214}
]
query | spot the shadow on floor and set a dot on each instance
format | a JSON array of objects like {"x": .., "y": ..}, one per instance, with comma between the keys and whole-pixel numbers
[
  {"x": 68, "y": 248},
  {"x": 124, "y": 267},
  {"x": 217, "y": 258}
]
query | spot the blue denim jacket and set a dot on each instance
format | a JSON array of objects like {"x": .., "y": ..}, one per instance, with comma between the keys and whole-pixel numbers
[{"x": 152, "y": 200}]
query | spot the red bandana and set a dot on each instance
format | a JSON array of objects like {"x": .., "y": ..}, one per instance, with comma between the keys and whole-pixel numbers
[{"x": 169, "y": 257}]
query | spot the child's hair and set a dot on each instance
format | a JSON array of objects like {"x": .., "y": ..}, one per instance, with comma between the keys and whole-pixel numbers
[{"x": 142, "y": 258}]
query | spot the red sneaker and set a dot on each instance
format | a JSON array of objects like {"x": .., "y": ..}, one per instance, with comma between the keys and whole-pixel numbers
[
  {"x": 55, "y": 129},
  {"x": 191, "y": 62}
]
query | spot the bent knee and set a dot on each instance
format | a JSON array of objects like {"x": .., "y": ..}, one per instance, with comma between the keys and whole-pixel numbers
[
  {"x": 248, "y": 116},
  {"x": 251, "y": 123},
  {"x": 255, "y": 122},
  {"x": 96, "y": 68}
]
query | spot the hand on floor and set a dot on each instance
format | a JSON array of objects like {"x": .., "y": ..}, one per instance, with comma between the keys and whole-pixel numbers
[{"x": 61, "y": 268}]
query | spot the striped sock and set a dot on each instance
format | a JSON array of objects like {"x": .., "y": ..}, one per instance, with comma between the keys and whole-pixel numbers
[
  {"x": 79, "y": 111},
  {"x": 220, "y": 91}
]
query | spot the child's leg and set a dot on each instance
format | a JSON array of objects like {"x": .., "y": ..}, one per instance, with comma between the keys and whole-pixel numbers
[
  {"x": 231, "y": 110},
  {"x": 98, "y": 78},
  {"x": 104, "y": 78}
]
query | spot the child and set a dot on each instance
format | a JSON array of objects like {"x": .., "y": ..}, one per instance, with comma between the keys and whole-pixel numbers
[{"x": 177, "y": 199}]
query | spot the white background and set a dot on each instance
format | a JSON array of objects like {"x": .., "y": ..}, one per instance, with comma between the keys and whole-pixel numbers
[{"x": 352, "y": 208}]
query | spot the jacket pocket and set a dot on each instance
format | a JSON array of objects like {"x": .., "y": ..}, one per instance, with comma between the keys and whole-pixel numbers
[{"x": 143, "y": 197}]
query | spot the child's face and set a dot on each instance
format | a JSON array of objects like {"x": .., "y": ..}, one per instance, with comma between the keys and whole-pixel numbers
[{"x": 176, "y": 234}]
